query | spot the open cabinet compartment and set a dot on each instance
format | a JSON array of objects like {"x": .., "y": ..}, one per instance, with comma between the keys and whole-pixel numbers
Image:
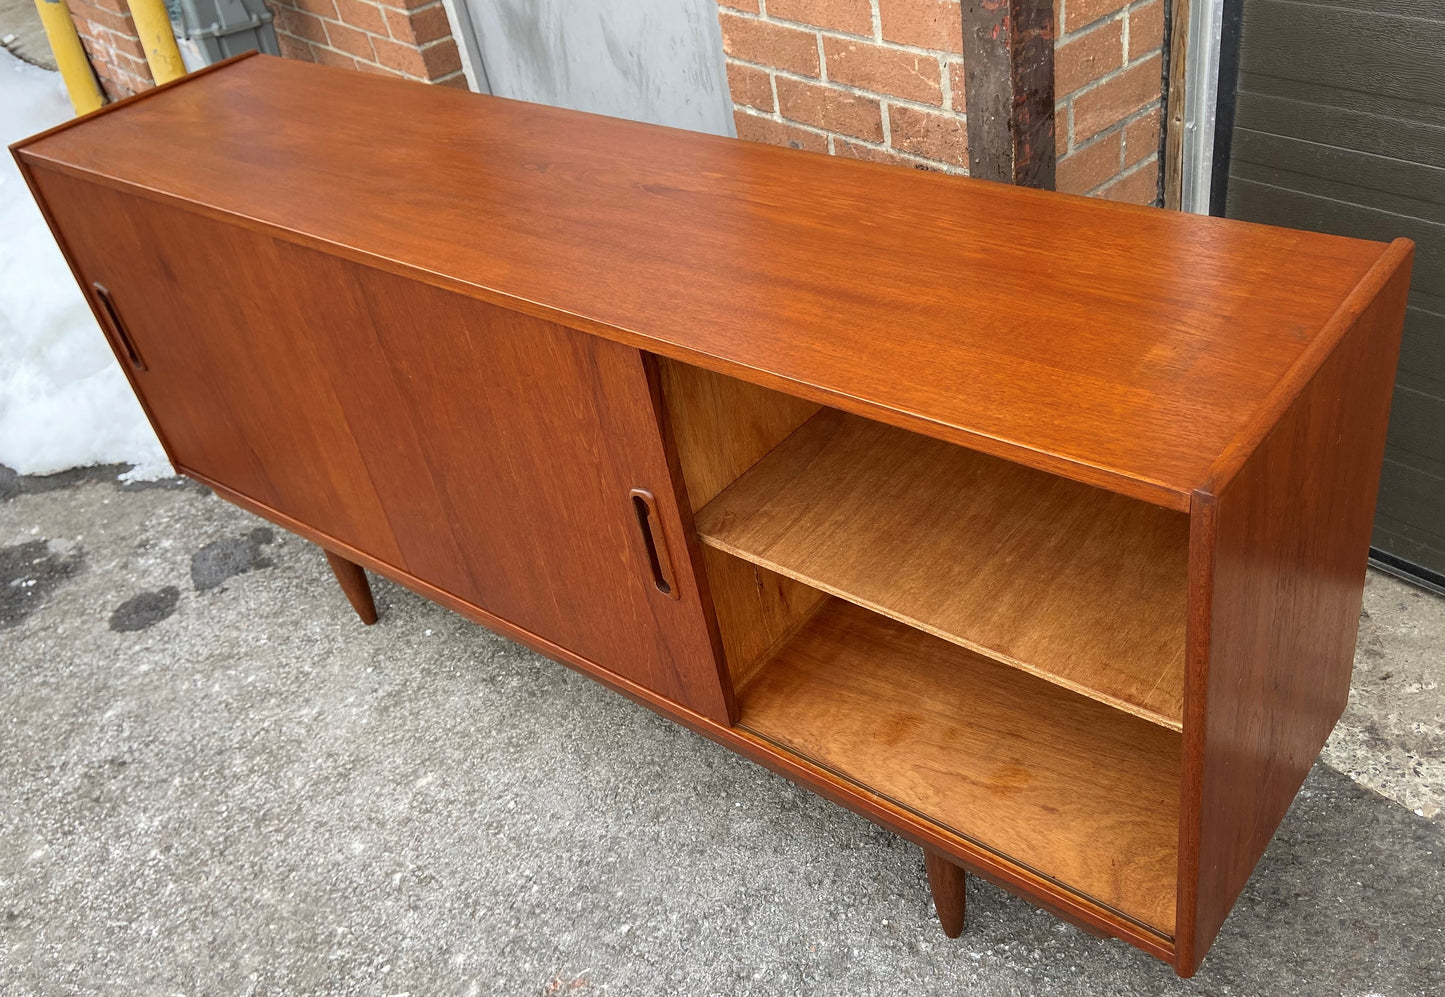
[{"x": 998, "y": 651}]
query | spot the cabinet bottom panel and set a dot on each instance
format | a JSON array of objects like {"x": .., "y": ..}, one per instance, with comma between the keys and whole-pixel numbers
[{"x": 1077, "y": 792}]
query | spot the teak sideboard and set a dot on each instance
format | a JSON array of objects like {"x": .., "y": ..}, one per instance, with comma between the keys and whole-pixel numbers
[{"x": 1031, "y": 527}]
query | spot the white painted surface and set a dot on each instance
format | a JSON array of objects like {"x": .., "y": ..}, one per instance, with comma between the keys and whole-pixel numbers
[
  {"x": 648, "y": 60},
  {"x": 63, "y": 399}
]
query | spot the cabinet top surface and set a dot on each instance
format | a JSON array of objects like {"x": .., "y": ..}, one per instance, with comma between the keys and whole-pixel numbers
[{"x": 1123, "y": 346}]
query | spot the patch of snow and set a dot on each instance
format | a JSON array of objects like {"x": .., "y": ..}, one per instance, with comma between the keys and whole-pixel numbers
[{"x": 64, "y": 401}]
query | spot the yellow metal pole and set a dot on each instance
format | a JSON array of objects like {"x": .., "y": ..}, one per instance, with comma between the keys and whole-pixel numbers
[
  {"x": 153, "y": 25},
  {"x": 85, "y": 95}
]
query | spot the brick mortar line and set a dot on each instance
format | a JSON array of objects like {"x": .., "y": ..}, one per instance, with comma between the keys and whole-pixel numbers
[
  {"x": 1112, "y": 74},
  {"x": 1125, "y": 174},
  {"x": 1119, "y": 125},
  {"x": 389, "y": 37},
  {"x": 356, "y": 58},
  {"x": 845, "y": 87},
  {"x": 1122, "y": 123},
  {"x": 945, "y": 59},
  {"x": 937, "y": 53},
  {"x": 940, "y": 53},
  {"x": 337, "y": 20},
  {"x": 911, "y": 157},
  {"x": 1123, "y": 11},
  {"x": 1122, "y": 14}
]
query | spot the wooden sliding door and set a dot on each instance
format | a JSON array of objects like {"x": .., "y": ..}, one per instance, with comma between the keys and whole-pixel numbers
[{"x": 510, "y": 462}]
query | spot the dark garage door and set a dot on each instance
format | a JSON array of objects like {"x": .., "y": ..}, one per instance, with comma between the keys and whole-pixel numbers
[{"x": 1339, "y": 126}]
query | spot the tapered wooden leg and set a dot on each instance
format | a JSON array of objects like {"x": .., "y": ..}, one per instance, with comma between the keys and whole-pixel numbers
[
  {"x": 948, "y": 882},
  {"x": 353, "y": 582}
]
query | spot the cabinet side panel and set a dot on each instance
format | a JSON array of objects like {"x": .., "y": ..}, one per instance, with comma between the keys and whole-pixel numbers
[
  {"x": 721, "y": 427},
  {"x": 1291, "y": 538}
]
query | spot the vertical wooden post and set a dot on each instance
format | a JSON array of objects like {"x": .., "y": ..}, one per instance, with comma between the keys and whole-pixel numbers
[
  {"x": 1008, "y": 69},
  {"x": 1178, "y": 38}
]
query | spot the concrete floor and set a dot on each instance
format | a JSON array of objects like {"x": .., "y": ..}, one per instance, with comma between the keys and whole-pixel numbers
[
  {"x": 214, "y": 780},
  {"x": 22, "y": 34}
]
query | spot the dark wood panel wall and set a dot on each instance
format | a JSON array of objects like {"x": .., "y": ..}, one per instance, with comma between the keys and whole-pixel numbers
[
  {"x": 1340, "y": 127},
  {"x": 1008, "y": 65}
]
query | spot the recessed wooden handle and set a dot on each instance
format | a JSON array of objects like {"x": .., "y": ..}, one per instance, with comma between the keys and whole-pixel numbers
[
  {"x": 117, "y": 327},
  {"x": 644, "y": 504}
]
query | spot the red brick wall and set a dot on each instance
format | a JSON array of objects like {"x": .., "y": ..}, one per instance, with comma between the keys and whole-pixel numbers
[
  {"x": 409, "y": 38},
  {"x": 883, "y": 80},
  {"x": 108, "y": 34},
  {"x": 872, "y": 79},
  {"x": 1107, "y": 81}
]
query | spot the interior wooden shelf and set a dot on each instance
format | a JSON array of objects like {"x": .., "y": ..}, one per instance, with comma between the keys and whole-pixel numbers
[
  {"x": 1074, "y": 584},
  {"x": 1063, "y": 785}
]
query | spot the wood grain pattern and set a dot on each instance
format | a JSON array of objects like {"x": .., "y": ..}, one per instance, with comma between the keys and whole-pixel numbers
[
  {"x": 1060, "y": 784},
  {"x": 948, "y": 883},
  {"x": 1074, "y": 584},
  {"x": 723, "y": 426},
  {"x": 352, "y": 579},
  {"x": 756, "y": 609},
  {"x": 1178, "y": 41},
  {"x": 720, "y": 427},
  {"x": 1146, "y": 344},
  {"x": 492, "y": 457},
  {"x": 1279, "y": 556}
]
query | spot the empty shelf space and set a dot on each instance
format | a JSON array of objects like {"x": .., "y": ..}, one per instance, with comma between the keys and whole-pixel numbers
[
  {"x": 1077, "y": 585},
  {"x": 1055, "y": 782}
]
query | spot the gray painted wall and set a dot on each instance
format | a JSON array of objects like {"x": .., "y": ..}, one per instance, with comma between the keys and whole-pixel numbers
[
  {"x": 649, "y": 60},
  {"x": 1340, "y": 127}
]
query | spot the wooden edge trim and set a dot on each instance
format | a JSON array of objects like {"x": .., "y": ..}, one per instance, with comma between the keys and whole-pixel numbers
[
  {"x": 692, "y": 547},
  {"x": 134, "y": 98},
  {"x": 1288, "y": 388},
  {"x": 1203, "y": 519},
  {"x": 1144, "y": 489},
  {"x": 981, "y": 862}
]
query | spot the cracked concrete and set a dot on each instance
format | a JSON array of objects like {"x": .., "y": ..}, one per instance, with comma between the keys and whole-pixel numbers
[{"x": 240, "y": 789}]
